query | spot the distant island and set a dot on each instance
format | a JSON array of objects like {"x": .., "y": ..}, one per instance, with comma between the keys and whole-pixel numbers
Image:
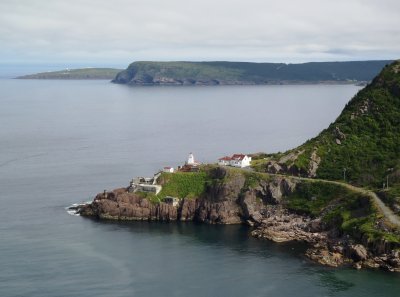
[
  {"x": 244, "y": 73},
  {"x": 83, "y": 73}
]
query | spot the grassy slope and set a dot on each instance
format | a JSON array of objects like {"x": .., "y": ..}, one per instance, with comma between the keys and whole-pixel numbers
[
  {"x": 85, "y": 73},
  {"x": 371, "y": 124}
]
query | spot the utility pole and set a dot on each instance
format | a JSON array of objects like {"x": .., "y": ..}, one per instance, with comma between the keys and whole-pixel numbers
[
  {"x": 387, "y": 178},
  {"x": 344, "y": 174}
]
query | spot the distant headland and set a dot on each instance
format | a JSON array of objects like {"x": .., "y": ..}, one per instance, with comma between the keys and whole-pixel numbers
[
  {"x": 244, "y": 73},
  {"x": 147, "y": 73},
  {"x": 83, "y": 73}
]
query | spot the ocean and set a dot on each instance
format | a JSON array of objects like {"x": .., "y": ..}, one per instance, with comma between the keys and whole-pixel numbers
[{"x": 61, "y": 142}]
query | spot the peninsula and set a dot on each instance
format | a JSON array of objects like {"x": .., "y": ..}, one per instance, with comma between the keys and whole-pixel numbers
[
  {"x": 83, "y": 73},
  {"x": 332, "y": 192},
  {"x": 244, "y": 73}
]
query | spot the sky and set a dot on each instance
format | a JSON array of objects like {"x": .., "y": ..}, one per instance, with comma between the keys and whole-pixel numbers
[{"x": 118, "y": 32}]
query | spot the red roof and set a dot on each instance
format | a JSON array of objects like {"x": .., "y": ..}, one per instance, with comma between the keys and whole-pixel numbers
[
  {"x": 167, "y": 167},
  {"x": 238, "y": 157},
  {"x": 226, "y": 158}
]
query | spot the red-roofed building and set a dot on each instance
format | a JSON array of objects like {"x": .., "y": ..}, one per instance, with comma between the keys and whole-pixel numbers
[
  {"x": 237, "y": 160},
  {"x": 168, "y": 169}
]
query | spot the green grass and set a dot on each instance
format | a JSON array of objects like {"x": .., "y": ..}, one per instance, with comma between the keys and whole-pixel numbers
[
  {"x": 152, "y": 197},
  {"x": 312, "y": 197},
  {"x": 183, "y": 184}
]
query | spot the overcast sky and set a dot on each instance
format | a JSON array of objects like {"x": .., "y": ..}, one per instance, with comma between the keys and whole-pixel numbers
[{"x": 121, "y": 31}]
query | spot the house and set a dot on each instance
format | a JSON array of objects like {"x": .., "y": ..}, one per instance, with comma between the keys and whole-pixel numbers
[
  {"x": 224, "y": 161},
  {"x": 168, "y": 169},
  {"x": 236, "y": 160}
]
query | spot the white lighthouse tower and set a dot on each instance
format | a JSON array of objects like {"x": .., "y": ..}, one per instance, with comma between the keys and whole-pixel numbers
[{"x": 191, "y": 160}]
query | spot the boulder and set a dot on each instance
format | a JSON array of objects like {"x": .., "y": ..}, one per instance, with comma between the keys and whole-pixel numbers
[{"x": 358, "y": 252}]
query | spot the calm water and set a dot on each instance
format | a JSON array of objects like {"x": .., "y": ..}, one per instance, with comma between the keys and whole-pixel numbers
[{"x": 63, "y": 141}]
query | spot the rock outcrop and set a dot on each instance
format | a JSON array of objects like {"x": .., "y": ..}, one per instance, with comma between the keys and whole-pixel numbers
[
  {"x": 230, "y": 197},
  {"x": 325, "y": 246},
  {"x": 227, "y": 201}
]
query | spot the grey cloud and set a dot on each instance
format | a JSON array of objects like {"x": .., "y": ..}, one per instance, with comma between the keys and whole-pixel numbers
[{"x": 254, "y": 30}]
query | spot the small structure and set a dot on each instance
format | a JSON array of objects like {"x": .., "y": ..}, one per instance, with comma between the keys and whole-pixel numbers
[
  {"x": 148, "y": 188},
  {"x": 237, "y": 160},
  {"x": 191, "y": 160},
  {"x": 171, "y": 200},
  {"x": 168, "y": 169},
  {"x": 191, "y": 165},
  {"x": 224, "y": 161},
  {"x": 145, "y": 184}
]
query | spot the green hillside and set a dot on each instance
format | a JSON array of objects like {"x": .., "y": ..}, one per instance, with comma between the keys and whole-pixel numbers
[
  {"x": 214, "y": 73},
  {"x": 362, "y": 145}
]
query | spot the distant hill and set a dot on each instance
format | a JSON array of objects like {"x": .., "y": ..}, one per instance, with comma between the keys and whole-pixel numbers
[
  {"x": 84, "y": 73},
  {"x": 361, "y": 146},
  {"x": 244, "y": 73}
]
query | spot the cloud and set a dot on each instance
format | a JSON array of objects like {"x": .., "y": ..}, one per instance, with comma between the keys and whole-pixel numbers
[{"x": 253, "y": 30}]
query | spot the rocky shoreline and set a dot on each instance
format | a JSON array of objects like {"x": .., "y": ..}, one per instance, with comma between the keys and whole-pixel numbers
[
  {"x": 326, "y": 246},
  {"x": 261, "y": 206}
]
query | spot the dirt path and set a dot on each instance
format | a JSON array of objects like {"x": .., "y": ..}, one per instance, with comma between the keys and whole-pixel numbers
[{"x": 386, "y": 211}]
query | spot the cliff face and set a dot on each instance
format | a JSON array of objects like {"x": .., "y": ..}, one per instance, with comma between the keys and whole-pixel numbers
[
  {"x": 226, "y": 200},
  {"x": 340, "y": 226},
  {"x": 241, "y": 73}
]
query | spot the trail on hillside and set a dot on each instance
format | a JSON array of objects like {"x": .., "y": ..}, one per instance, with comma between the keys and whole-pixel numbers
[{"x": 386, "y": 211}]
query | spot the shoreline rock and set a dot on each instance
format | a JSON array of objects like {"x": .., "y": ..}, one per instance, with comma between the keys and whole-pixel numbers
[{"x": 230, "y": 200}]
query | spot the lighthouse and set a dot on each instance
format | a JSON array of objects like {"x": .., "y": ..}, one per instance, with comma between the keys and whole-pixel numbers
[{"x": 191, "y": 160}]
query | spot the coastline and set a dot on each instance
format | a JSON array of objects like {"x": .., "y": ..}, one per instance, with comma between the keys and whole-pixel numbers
[{"x": 263, "y": 205}]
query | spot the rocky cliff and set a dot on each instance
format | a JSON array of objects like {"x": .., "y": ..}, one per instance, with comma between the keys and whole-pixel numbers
[
  {"x": 332, "y": 220},
  {"x": 227, "y": 199}
]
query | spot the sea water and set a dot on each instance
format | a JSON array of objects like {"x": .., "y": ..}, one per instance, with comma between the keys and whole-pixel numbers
[{"x": 61, "y": 142}]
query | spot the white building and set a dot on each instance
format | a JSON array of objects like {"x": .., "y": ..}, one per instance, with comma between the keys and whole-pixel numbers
[
  {"x": 168, "y": 169},
  {"x": 191, "y": 160},
  {"x": 237, "y": 160}
]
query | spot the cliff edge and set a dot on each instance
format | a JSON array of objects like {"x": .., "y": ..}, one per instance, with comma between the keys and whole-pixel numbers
[{"x": 342, "y": 227}]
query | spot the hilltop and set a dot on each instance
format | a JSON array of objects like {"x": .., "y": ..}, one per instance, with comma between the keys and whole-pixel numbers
[
  {"x": 362, "y": 146},
  {"x": 244, "y": 73},
  {"x": 84, "y": 73}
]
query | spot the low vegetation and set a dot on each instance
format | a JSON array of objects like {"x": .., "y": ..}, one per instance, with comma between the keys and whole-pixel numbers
[
  {"x": 183, "y": 184},
  {"x": 84, "y": 73},
  {"x": 364, "y": 141},
  {"x": 352, "y": 213}
]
